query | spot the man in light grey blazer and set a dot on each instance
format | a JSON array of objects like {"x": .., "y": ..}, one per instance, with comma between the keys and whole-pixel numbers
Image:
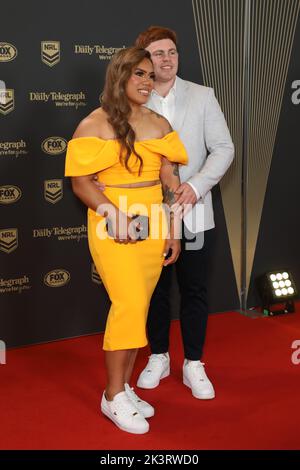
[{"x": 195, "y": 114}]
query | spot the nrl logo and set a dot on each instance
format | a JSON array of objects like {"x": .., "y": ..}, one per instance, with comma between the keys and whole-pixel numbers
[
  {"x": 50, "y": 52},
  {"x": 7, "y": 100},
  {"x": 8, "y": 239},
  {"x": 53, "y": 190}
]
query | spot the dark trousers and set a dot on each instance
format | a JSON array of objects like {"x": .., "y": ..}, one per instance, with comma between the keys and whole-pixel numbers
[{"x": 191, "y": 270}]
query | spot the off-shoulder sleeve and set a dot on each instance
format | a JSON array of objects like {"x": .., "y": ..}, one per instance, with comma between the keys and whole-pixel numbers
[
  {"x": 171, "y": 147},
  {"x": 88, "y": 155}
]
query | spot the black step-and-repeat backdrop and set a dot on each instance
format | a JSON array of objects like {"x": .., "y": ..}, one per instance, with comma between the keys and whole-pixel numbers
[{"x": 52, "y": 64}]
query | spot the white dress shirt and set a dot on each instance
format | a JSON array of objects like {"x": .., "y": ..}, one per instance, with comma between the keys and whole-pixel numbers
[{"x": 166, "y": 107}]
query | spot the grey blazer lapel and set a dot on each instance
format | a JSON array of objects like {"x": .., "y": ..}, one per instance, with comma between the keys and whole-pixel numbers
[{"x": 181, "y": 103}]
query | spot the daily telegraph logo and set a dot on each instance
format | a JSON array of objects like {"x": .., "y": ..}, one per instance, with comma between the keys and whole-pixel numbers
[
  {"x": 50, "y": 52},
  {"x": 103, "y": 52},
  {"x": 62, "y": 233},
  {"x": 53, "y": 190},
  {"x": 8, "y": 239},
  {"x": 54, "y": 145},
  {"x": 14, "y": 285},
  {"x": 13, "y": 148},
  {"x": 59, "y": 98},
  {"x": 95, "y": 276},
  {"x": 7, "y": 101},
  {"x": 9, "y": 194},
  {"x": 8, "y": 52},
  {"x": 57, "y": 278}
]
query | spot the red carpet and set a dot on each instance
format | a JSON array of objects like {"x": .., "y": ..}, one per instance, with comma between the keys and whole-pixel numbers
[{"x": 50, "y": 393}]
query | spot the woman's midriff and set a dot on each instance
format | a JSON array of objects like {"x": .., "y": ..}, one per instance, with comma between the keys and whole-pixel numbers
[
  {"x": 145, "y": 200},
  {"x": 135, "y": 185}
]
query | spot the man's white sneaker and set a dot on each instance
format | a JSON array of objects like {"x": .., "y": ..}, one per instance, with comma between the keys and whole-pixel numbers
[
  {"x": 124, "y": 414},
  {"x": 194, "y": 376},
  {"x": 142, "y": 406},
  {"x": 158, "y": 367}
]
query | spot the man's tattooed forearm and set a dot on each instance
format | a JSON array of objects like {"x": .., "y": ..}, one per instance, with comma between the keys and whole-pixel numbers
[
  {"x": 169, "y": 195},
  {"x": 175, "y": 169}
]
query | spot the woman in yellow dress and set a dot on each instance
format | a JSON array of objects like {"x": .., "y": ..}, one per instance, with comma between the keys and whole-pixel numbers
[{"x": 135, "y": 153}]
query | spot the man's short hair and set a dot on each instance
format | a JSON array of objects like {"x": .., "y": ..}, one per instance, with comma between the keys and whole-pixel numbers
[{"x": 155, "y": 33}]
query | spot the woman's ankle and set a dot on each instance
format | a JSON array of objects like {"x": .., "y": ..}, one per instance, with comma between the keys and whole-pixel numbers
[{"x": 110, "y": 393}]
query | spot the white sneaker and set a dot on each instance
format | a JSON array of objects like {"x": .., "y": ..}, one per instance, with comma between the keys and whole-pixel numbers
[
  {"x": 124, "y": 414},
  {"x": 142, "y": 406},
  {"x": 158, "y": 367},
  {"x": 194, "y": 376}
]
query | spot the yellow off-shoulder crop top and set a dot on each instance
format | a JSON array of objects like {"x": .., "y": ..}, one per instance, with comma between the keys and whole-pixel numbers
[{"x": 89, "y": 155}]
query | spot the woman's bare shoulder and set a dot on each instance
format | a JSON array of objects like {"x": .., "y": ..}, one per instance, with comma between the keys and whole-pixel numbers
[
  {"x": 94, "y": 125},
  {"x": 161, "y": 124}
]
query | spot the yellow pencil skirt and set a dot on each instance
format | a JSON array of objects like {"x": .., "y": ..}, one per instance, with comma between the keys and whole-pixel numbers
[{"x": 129, "y": 272}]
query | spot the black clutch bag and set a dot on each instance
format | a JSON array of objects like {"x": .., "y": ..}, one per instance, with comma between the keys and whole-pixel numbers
[{"x": 141, "y": 233}]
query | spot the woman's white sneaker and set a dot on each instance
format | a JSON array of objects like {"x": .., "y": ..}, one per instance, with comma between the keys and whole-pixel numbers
[
  {"x": 124, "y": 414},
  {"x": 157, "y": 368},
  {"x": 194, "y": 376},
  {"x": 142, "y": 406}
]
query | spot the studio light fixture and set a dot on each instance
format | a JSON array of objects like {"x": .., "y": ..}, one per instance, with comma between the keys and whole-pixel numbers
[{"x": 277, "y": 287}]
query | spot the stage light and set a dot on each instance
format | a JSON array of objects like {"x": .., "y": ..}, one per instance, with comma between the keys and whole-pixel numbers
[{"x": 277, "y": 287}]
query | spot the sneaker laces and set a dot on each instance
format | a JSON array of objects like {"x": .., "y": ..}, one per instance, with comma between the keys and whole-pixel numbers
[
  {"x": 132, "y": 393},
  {"x": 199, "y": 367},
  {"x": 123, "y": 407},
  {"x": 155, "y": 359}
]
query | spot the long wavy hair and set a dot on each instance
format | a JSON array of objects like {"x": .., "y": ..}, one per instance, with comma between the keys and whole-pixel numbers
[{"x": 115, "y": 102}]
